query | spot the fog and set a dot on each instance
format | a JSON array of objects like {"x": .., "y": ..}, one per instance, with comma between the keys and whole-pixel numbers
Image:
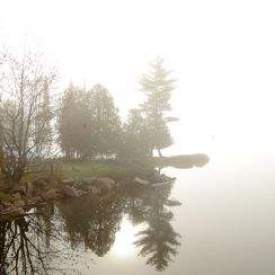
[
  {"x": 105, "y": 197},
  {"x": 222, "y": 54}
]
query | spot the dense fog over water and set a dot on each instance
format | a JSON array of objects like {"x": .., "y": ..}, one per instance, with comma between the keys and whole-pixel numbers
[{"x": 137, "y": 137}]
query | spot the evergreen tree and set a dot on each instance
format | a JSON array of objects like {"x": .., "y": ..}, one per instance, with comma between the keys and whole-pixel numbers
[
  {"x": 75, "y": 123},
  {"x": 66, "y": 122},
  {"x": 106, "y": 121},
  {"x": 134, "y": 143},
  {"x": 157, "y": 87}
]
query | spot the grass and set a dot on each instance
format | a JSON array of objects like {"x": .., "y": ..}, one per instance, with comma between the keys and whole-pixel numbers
[{"x": 97, "y": 168}]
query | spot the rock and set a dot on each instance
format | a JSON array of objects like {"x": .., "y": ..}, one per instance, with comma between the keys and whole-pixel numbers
[
  {"x": 52, "y": 194},
  {"x": 106, "y": 184},
  {"x": 36, "y": 200},
  {"x": 141, "y": 181},
  {"x": 160, "y": 184},
  {"x": 68, "y": 181},
  {"x": 17, "y": 199},
  {"x": 19, "y": 203},
  {"x": 17, "y": 196},
  {"x": 88, "y": 180},
  {"x": 21, "y": 189},
  {"x": 94, "y": 190},
  {"x": 70, "y": 191},
  {"x": 163, "y": 183},
  {"x": 156, "y": 177}
]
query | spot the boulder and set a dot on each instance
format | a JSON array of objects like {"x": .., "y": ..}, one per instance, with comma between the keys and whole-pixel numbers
[
  {"x": 52, "y": 194},
  {"x": 70, "y": 191},
  {"x": 68, "y": 181},
  {"x": 36, "y": 200},
  {"x": 19, "y": 203},
  {"x": 17, "y": 196},
  {"x": 88, "y": 180},
  {"x": 94, "y": 190},
  {"x": 17, "y": 199},
  {"x": 141, "y": 181},
  {"x": 106, "y": 184},
  {"x": 21, "y": 189}
]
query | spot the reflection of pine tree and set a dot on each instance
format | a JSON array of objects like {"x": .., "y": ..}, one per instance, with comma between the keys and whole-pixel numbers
[{"x": 159, "y": 241}]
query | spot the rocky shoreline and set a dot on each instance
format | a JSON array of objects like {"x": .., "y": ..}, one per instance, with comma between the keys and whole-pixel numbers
[{"x": 25, "y": 196}]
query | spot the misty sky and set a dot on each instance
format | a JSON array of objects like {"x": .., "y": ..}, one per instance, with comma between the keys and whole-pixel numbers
[{"x": 221, "y": 52}]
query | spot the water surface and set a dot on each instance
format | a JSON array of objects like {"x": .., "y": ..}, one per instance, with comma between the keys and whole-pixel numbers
[{"x": 225, "y": 225}]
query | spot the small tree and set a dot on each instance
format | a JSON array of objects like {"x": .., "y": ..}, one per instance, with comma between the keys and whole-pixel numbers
[
  {"x": 42, "y": 126},
  {"x": 157, "y": 87},
  {"x": 22, "y": 86}
]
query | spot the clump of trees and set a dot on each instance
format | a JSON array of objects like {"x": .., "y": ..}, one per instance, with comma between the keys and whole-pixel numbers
[{"x": 87, "y": 121}]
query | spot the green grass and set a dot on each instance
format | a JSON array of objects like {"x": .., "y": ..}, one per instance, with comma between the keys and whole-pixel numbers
[{"x": 79, "y": 168}]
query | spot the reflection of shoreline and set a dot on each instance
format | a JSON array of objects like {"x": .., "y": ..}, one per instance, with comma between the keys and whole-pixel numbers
[{"x": 93, "y": 222}]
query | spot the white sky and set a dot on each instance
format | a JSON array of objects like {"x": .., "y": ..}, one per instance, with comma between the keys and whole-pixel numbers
[{"x": 221, "y": 52}]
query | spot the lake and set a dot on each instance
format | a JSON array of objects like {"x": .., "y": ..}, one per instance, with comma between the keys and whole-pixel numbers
[{"x": 225, "y": 225}]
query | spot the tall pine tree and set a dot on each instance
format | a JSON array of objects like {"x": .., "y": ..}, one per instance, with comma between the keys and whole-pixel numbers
[{"x": 157, "y": 87}]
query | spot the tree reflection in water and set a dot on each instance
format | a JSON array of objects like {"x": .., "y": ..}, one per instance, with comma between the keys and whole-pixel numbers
[
  {"x": 30, "y": 244},
  {"x": 25, "y": 243},
  {"x": 158, "y": 242}
]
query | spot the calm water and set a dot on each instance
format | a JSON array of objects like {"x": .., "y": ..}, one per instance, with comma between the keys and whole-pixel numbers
[{"x": 225, "y": 225}]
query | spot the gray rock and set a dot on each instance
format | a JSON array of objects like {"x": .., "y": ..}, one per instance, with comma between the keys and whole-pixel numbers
[
  {"x": 141, "y": 181},
  {"x": 106, "y": 184},
  {"x": 94, "y": 190},
  {"x": 70, "y": 191},
  {"x": 19, "y": 203},
  {"x": 68, "y": 181},
  {"x": 21, "y": 189},
  {"x": 36, "y": 200},
  {"x": 52, "y": 194},
  {"x": 17, "y": 196},
  {"x": 89, "y": 180}
]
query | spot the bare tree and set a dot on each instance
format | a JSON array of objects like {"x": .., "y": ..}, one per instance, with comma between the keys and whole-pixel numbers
[{"x": 23, "y": 123}]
